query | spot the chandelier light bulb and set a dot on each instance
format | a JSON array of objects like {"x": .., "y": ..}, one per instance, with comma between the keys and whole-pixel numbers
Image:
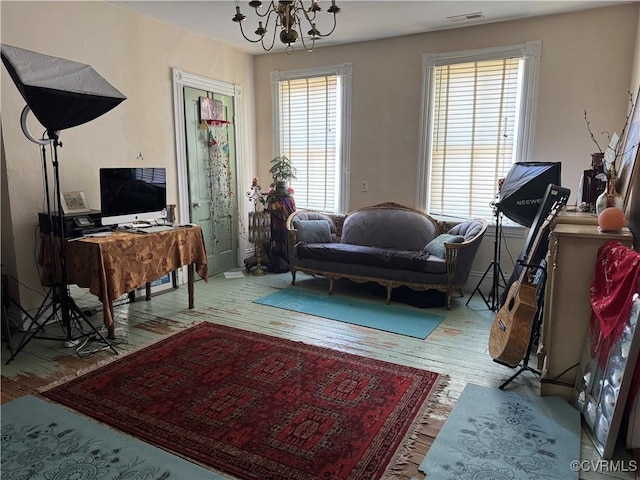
[
  {"x": 238, "y": 17},
  {"x": 313, "y": 33}
]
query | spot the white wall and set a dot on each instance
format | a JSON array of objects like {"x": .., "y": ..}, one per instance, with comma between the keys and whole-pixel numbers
[{"x": 134, "y": 54}]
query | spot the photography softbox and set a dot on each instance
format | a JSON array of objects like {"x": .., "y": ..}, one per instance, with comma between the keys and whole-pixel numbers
[
  {"x": 60, "y": 93},
  {"x": 524, "y": 188}
]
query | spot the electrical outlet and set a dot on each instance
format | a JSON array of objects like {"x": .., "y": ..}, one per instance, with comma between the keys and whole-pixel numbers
[{"x": 364, "y": 186}]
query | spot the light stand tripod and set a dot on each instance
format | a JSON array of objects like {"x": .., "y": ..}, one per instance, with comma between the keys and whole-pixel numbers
[
  {"x": 58, "y": 299},
  {"x": 493, "y": 302}
]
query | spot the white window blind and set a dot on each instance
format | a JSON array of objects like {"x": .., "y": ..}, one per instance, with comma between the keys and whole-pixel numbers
[
  {"x": 477, "y": 117},
  {"x": 475, "y": 111},
  {"x": 309, "y": 137}
]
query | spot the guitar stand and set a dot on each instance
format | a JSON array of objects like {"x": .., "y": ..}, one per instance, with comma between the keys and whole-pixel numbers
[{"x": 535, "y": 329}]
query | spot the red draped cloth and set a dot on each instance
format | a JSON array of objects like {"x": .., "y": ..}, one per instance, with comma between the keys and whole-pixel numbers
[{"x": 614, "y": 283}]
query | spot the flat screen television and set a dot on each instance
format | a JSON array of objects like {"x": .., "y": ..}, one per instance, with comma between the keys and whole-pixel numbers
[{"x": 129, "y": 195}]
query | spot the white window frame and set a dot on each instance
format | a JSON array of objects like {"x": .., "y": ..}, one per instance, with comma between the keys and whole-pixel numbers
[
  {"x": 344, "y": 72},
  {"x": 530, "y": 51}
]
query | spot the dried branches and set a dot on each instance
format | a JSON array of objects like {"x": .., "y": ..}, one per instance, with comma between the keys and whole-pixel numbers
[
  {"x": 586, "y": 119},
  {"x": 613, "y": 156}
]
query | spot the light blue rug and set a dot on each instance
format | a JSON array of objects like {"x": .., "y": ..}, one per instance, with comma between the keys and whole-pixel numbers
[
  {"x": 496, "y": 435},
  {"x": 41, "y": 440},
  {"x": 376, "y": 314}
]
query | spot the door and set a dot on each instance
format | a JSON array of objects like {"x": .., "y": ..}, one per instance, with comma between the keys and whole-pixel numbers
[{"x": 211, "y": 160}]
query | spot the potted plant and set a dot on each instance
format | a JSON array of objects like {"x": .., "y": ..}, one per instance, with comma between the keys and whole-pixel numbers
[{"x": 282, "y": 171}]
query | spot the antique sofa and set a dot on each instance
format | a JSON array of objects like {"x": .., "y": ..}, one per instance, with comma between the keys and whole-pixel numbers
[{"x": 389, "y": 244}]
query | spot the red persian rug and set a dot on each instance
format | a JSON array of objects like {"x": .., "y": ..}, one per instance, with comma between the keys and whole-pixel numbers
[{"x": 259, "y": 407}]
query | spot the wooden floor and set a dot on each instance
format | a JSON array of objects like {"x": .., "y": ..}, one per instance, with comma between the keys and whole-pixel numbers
[{"x": 457, "y": 348}]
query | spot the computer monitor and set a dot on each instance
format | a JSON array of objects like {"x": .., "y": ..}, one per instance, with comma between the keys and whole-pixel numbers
[{"x": 129, "y": 195}]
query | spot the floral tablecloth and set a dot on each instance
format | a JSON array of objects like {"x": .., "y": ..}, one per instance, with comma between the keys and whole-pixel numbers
[{"x": 121, "y": 262}]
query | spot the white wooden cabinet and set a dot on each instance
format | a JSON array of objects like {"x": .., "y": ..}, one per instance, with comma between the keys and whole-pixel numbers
[{"x": 573, "y": 249}]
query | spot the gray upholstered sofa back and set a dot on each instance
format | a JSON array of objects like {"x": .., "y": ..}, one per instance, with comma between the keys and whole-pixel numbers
[{"x": 388, "y": 228}]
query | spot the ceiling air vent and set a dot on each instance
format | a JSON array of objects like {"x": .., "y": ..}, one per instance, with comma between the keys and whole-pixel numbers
[{"x": 465, "y": 17}]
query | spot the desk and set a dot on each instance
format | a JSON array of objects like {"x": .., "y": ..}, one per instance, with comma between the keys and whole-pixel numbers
[{"x": 112, "y": 266}]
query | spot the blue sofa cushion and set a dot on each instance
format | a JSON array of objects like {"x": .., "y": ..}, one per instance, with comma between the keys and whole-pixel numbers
[
  {"x": 345, "y": 253},
  {"x": 313, "y": 231},
  {"x": 436, "y": 246}
]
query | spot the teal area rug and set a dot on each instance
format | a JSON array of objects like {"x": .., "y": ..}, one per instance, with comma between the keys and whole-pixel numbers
[
  {"x": 41, "y": 440},
  {"x": 374, "y": 314},
  {"x": 496, "y": 435}
]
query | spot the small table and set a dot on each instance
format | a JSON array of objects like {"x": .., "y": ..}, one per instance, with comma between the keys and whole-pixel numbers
[{"x": 114, "y": 265}]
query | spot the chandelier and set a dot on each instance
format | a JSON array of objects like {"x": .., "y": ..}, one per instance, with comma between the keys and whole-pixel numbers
[{"x": 288, "y": 17}]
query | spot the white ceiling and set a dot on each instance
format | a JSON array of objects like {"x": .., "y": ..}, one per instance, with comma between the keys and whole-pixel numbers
[{"x": 359, "y": 20}]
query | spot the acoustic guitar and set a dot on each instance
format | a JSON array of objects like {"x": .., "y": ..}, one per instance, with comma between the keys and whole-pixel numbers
[{"x": 511, "y": 329}]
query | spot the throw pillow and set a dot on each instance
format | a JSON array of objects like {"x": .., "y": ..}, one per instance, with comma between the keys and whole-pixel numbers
[
  {"x": 313, "y": 231},
  {"x": 436, "y": 246}
]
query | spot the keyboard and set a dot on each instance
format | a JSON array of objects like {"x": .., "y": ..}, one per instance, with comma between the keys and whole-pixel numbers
[{"x": 156, "y": 228}]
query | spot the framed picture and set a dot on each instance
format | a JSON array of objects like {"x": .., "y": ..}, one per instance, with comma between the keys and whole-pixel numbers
[
  {"x": 74, "y": 202},
  {"x": 629, "y": 158},
  {"x": 161, "y": 285}
]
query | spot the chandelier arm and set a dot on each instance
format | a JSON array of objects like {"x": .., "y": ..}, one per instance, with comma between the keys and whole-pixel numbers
[
  {"x": 305, "y": 11},
  {"x": 277, "y": 17},
  {"x": 247, "y": 38},
  {"x": 304, "y": 44},
  {"x": 334, "y": 27},
  {"x": 270, "y": 8},
  {"x": 273, "y": 41}
]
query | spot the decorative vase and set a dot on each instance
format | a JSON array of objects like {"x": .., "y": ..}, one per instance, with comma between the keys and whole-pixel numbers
[
  {"x": 610, "y": 197},
  {"x": 281, "y": 188}
]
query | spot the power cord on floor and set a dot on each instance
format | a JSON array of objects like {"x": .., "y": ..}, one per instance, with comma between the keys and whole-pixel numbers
[{"x": 94, "y": 344}]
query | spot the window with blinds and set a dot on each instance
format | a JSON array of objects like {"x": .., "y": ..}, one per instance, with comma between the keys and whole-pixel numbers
[
  {"x": 309, "y": 137},
  {"x": 475, "y": 109},
  {"x": 312, "y": 109},
  {"x": 477, "y": 121}
]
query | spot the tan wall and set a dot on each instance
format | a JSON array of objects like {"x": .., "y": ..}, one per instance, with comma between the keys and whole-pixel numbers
[
  {"x": 133, "y": 53},
  {"x": 586, "y": 64}
]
